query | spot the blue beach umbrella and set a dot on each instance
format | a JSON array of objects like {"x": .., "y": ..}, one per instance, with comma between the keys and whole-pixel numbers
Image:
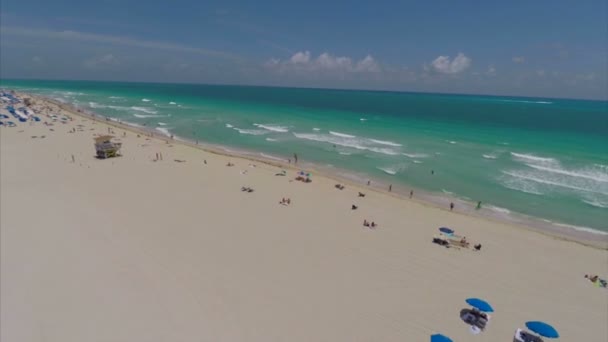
[
  {"x": 543, "y": 329},
  {"x": 440, "y": 338},
  {"x": 480, "y": 304},
  {"x": 446, "y": 230}
]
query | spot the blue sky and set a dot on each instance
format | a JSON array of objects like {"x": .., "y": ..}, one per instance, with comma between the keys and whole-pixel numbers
[{"x": 531, "y": 48}]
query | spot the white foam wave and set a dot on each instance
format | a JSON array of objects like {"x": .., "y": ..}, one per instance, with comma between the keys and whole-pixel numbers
[
  {"x": 489, "y": 156},
  {"x": 145, "y": 116},
  {"x": 162, "y": 123},
  {"x": 316, "y": 129},
  {"x": 596, "y": 176},
  {"x": 272, "y": 157},
  {"x": 250, "y": 131},
  {"x": 273, "y": 128},
  {"x": 356, "y": 143},
  {"x": 145, "y": 100},
  {"x": 582, "y": 229},
  {"x": 415, "y": 155},
  {"x": 229, "y": 126},
  {"x": 527, "y": 158},
  {"x": 270, "y": 139},
  {"x": 172, "y": 103},
  {"x": 116, "y": 97},
  {"x": 96, "y": 105},
  {"x": 596, "y": 203},
  {"x": 144, "y": 109},
  {"x": 342, "y": 135},
  {"x": 526, "y": 101},
  {"x": 388, "y": 143},
  {"x": 451, "y": 141},
  {"x": 498, "y": 209},
  {"x": 391, "y": 170},
  {"x": 363, "y": 119},
  {"x": 164, "y": 130},
  {"x": 345, "y": 153},
  {"x": 417, "y": 162},
  {"x": 554, "y": 182}
]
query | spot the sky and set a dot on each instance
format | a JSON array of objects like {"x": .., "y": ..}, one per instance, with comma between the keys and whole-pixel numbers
[{"x": 531, "y": 48}]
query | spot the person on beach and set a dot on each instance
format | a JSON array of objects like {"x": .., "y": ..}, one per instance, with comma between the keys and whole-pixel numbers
[
  {"x": 295, "y": 158},
  {"x": 478, "y": 205},
  {"x": 73, "y": 159},
  {"x": 353, "y": 207},
  {"x": 390, "y": 188},
  {"x": 411, "y": 193},
  {"x": 365, "y": 223},
  {"x": 373, "y": 224},
  {"x": 432, "y": 172},
  {"x": 368, "y": 183},
  {"x": 451, "y": 206},
  {"x": 205, "y": 161}
]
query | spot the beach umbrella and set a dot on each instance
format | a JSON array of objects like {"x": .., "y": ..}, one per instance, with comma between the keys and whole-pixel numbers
[
  {"x": 480, "y": 304},
  {"x": 543, "y": 329},
  {"x": 440, "y": 338},
  {"x": 446, "y": 230}
]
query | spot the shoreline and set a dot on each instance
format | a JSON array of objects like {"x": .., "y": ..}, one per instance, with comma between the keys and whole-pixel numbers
[{"x": 583, "y": 235}]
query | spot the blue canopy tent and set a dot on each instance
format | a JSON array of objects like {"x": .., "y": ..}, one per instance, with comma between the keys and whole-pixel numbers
[
  {"x": 480, "y": 304},
  {"x": 543, "y": 329},
  {"x": 440, "y": 338}
]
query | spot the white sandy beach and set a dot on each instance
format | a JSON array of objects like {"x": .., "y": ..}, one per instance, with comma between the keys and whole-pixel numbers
[{"x": 129, "y": 249}]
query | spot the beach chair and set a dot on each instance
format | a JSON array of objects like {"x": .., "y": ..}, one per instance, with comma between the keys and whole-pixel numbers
[{"x": 524, "y": 336}]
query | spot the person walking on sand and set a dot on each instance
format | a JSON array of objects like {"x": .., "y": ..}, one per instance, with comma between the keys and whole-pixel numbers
[
  {"x": 73, "y": 159},
  {"x": 368, "y": 183},
  {"x": 411, "y": 193},
  {"x": 451, "y": 206},
  {"x": 390, "y": 188},
  {"x": 295, "y": 158}
]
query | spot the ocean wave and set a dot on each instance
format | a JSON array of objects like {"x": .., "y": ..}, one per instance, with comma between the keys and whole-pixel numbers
[
  {"x": 316, "y": 129},
  {"x": 527, "y": 158},
  {"x": 229, "y": 126},
  {"x": 582, "y": 229},
  {"x": 250, "y": 131},
  {"x": 587, "y": 174},
  {"x": 96, "y": 105},
  {"x": 498, "y": 209},
  {"x": 521, "y": 185},
  {"x": 388, "y": 143},
  {"x": 451, "y": 141},
  {"x": 363, "y": 119},
  {"x": 270, "y": 139},
  {"x": 145, "y": 116},
  {"x": 272, "y": 157},
  {"x": 274, "y": 128},
  {"x": 345, "y": 153},
  {"x": 415, "y": 155},
  {"x": 555, "y": 182},
  {"x": 145, "y": 100},
  {"x": 489, "y": 156},
  {"x": 162, "y": 123},
  {"x": 341, "y": 135},
  {"x": 172, "y": 103},
  {"x": 356, "y": 143},
  {"x": 526, "y": 101},
  {"x": 164, "y": 130},
  {"x": 144, "y": 109},
  {"x": 596, "y": 203},
  {"x": 116, "y": 97},
  {"x": 417, "y": 162}
]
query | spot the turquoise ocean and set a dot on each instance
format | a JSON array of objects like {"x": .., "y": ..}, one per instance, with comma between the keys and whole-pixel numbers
[{"x": 522, "y": 157}]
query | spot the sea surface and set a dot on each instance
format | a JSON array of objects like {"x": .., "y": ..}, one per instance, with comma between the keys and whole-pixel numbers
[{"x": 537, "y": 157}]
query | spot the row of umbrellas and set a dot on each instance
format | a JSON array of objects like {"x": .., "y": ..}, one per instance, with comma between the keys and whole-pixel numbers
[{"x": 541, "y": 328}]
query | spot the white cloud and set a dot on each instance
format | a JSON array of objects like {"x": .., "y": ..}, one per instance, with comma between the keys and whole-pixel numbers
[
  {"x": 491, "y": 71},
  {"x": 108, "y": 60},
  {"x": 303, "y": 61},
  {"x": 518, "y": 59},
  {"x": 300, "y": 57},
  {"x": 444, "y": 65}
]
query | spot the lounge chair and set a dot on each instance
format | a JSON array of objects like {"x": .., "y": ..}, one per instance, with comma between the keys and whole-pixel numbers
[{"x": 524, "y": 336}]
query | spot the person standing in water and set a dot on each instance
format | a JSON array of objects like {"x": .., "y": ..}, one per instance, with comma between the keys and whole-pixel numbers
[
  {"x": 478, "y": 205},
  {"x": 295, "y": 158},
  {"x": 451, "y": 206}
]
